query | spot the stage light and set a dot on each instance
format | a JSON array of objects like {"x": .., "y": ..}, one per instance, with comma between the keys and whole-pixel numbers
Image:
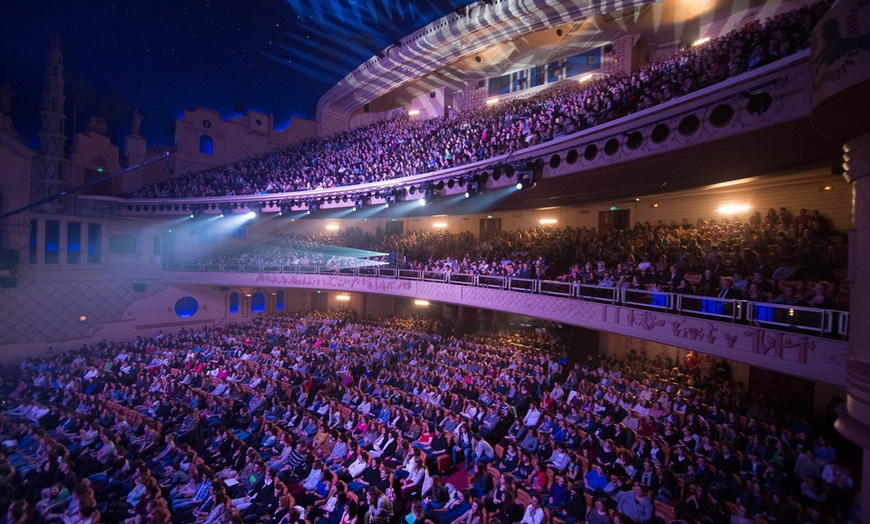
[
  {"x": 472, "y": 187},
  {"x": 525, "y": 179},
  {"x": 700, "y": 41},
  {"x": 414, "y": 112},
  {"x": 254, "y": 209},
  {"x": 430, "y": 195},
  {"x": 492, "y": 101},
  {"x": 421, "y": 303},
  {"x": 548, "y": 221},
  {"x": 359, "y": 203},
  {"x": 313, "y": 206}
]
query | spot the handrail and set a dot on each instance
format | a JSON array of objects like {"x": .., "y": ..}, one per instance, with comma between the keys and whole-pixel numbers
[
  {"x": 719, "y": 308},
  {"x": 462, "y": 279},
  {"x": 433, "y": 276},
  {"x": 491, "y": 281},
  {"x": 646, "y": 298},
  {"x": 783, "y": 315},
  {"x": 825, "y": 322},
  {"x": 597, "y": 293}
]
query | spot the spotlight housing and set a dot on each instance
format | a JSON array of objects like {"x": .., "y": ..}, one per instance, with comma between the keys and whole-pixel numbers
[
  {"x": 472, "y": 189},
  {"x": 430, "y": 195},
  {"x": 527, "y": 174},
  {"x": 526, "y": 179}
]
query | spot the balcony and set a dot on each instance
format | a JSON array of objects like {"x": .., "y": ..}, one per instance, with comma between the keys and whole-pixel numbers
[
  {"x": 644, "y": 151},
  {"x": 806, "y": 342}
]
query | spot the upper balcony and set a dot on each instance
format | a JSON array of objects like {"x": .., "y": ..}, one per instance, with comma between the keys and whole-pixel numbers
[{"x": 752, "y": 124}]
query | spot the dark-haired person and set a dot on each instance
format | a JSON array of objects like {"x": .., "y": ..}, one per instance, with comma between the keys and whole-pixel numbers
[{"x": 635, "y": 504}]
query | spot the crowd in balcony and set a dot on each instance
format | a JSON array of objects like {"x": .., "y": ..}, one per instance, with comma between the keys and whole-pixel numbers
[
  {"x": 780, "y": 257},
  {"x": 398, "y": 148},
  {"x": 298, "y": 420}
]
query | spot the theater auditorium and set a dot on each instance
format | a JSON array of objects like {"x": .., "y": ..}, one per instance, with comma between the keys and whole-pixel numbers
[{"x": 531, "y": 262}]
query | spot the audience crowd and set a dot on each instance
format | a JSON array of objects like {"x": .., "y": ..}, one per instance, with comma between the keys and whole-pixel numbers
[
  {"x": 778, "y": 257},
  {"x": 325, "y": 419},
  {"x": 398, "y": 148}
]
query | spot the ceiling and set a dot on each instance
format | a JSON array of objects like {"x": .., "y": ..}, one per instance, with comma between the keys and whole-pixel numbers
[{"x": 660, "y": 25}]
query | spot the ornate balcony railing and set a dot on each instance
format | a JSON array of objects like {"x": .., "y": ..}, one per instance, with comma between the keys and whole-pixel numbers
[{"x": 820, "y": 322}]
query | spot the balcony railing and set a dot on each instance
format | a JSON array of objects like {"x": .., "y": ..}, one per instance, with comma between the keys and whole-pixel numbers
[{"x": 823, "y": 322}]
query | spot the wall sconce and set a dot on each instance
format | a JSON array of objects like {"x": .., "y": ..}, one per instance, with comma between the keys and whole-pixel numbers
[{"x": 729, "y": 209}]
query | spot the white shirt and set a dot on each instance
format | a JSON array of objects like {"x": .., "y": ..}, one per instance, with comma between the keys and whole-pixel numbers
[
  {"x": 532, "y": 417},
  {"x": 533, "y": 515},
  {"x": 357, "y": 467},
  {"x": 559, "y": 460}
]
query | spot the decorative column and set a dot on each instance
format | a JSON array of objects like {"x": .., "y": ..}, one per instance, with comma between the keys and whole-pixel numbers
[
  {"x": 104, "y": 243},
  {"x": 50, "y": 168},
  {"x": 83, "y": 259},
  {"x": 62, "y": 242},
  {"x": 841, "y": 81},
  {"x": 40, "y": 241}
]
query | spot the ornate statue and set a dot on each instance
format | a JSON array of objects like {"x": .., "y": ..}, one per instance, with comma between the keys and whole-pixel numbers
[{"x": 137, "y": 123}]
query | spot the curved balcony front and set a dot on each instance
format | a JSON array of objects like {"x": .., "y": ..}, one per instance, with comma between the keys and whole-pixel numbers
[
  {"x": 751, "y": 124},
  {"x": 805, "y": 342}
]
